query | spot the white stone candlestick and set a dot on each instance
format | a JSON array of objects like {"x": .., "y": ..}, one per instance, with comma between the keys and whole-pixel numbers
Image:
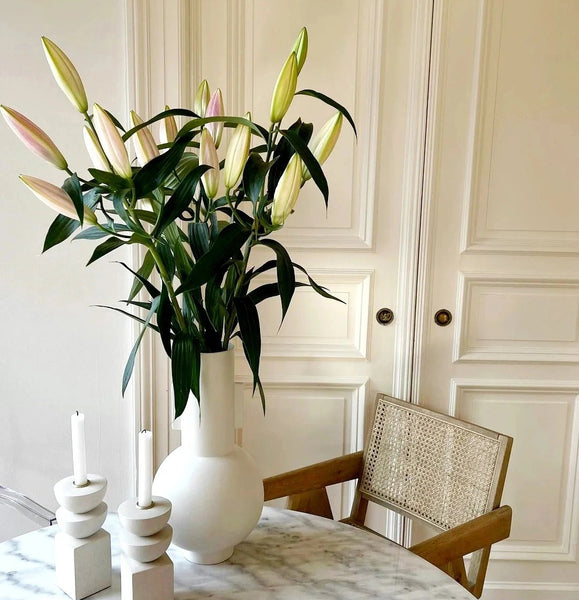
[
  {"x": 82, "y": 548},
  {"x": 146, "y": 570}
]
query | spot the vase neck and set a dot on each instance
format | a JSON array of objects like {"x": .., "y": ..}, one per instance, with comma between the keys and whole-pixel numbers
[{"x": 208, "y": 426}]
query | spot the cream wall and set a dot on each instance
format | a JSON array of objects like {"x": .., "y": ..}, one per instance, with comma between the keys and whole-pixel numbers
[{"x": 58, "y": 353}]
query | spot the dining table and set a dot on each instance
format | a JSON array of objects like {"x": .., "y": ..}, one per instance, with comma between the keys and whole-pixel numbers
[{"x": 288, "y": 556}]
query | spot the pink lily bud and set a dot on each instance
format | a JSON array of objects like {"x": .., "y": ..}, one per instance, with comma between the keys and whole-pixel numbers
[
  {"x": 208, "y": 156},
  {"x": 33, "y": 137},
  {"x": 324, "y": 141},
  {"x": 97, "y": 156},
  {"x": 145, "y": 146},
  {"x": 201, "y": 99},
  {"x": 215, "y": 109},
  {"x": 111, "y": 143},
  {"x": 284, "y": 89},
  {"x": 237, "y": 153},
  {"x": 300, "y": 48},
  {"x": 65, "y": 74},
  {"x": 287, "y": 191},
  {"x": 168, "y": 129},
  {"x": 56, "y": 198}
]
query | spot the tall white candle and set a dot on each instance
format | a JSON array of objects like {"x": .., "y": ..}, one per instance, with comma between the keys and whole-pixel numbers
[
  {"x": 78, "y": 448},
  {"x": 145, "y": 492}
]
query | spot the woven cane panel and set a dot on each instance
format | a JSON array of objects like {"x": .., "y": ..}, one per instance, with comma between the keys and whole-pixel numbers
[{"x": 432, "y": 469}]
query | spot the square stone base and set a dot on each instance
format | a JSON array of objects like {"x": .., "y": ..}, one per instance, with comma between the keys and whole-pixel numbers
[
  {"x": 147, "y": 581},
  {"x": 83, "y": 566}
]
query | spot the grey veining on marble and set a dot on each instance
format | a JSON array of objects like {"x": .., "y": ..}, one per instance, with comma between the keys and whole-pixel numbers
[{"x": 288, "y": 556}]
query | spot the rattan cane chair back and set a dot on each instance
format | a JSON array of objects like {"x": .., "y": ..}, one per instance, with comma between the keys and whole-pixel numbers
[
  {"x": 428, "y": 466},
  {"x": 432, "y": 467}
]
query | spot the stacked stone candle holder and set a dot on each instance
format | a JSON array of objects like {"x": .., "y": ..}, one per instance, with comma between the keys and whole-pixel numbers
[
  {"x": 82, "y": 548},
  {"x": 146, "y": 570}
]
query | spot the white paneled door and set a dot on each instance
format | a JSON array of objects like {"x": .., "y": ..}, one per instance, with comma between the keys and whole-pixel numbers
[
  {"x": 501, "y": 253},
  {"x": 459, "y": 193}
]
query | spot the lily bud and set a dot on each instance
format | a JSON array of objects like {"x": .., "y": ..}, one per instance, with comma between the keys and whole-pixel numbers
[
  {"x": 287, "y": 191},
  {"x": 56, "y": 198},
  {"x": 237, "y": 153},
  {"x": 145, "y": 146},
  {"x": 33, "y": 137},
  {"x": 65, "y": 74},
  {"x": 215, "y": 109},
  {"x": 300, "y": 48},
  {"x": 208, "y": 156},
  {"x": 324, "y": 141},
  {"x": 111, "y": 143},
  {"x": 168, "y": 129},
  {"x": 284, "y": 89},
  {"x": 201, "y": 99},
  {"x": 97, "y": 156}
]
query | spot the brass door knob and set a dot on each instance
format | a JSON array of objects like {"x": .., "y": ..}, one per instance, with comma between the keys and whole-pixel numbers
[
  {"x": 384, "y": 316},
  {"x": 443, "y": 317}
]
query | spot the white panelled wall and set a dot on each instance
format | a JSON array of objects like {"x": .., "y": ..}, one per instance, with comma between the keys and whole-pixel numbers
[{"x": 58, "y": 352}]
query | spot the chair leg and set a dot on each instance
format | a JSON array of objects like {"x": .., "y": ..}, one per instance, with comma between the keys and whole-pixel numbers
[
  {"x": 477, "y": 570},
  {"x": 314, "y": 502}
]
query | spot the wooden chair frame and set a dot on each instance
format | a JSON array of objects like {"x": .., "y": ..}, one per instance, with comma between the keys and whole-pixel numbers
[{"x": 306, "y": 492}]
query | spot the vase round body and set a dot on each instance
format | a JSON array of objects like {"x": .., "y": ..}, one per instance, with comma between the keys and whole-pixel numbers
[{"x": 214, "y": 486}]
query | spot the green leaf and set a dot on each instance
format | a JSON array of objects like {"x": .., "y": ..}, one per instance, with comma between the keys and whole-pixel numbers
[
  {"x": 143, "y": 274},
  {"x": 153, "y": 291},
  {"x": 198, "y": 239},
  {"x": 318, "y": 288},
  {"x": 164, "y": 319},
  {"x": 162, "y": 115},
  {"x": 185, "y": 368},
  {"x": 114, "y": 182},
  {"x": 283, "y": 152},
  {"x": 156, "y": 171},
  {"x": 268, "y": 290},
  {"x": 254, "y": 174},
  {"x": 226, "y": 245},
  {"x": 285, "y": 274},
  {"x": 107, "y": 246},
  {"x": 72, "y": 187},
  {"x": 228, "y": 121},
  {"x": 249, "y": 332},
  {"x": 180, "y": 199},
  {"x": 61, "y": 229},
  {"x": 96, "y": 233},
  {"x": 331, "y": 102},
  {"x": 131, "y": 315},
  {"x": 119, "y": 205},
  {"x": 131, "y": 360},
  {"x": 310, "y": 161}
]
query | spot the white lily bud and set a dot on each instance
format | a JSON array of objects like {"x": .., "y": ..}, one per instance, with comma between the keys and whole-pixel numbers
[{"x": 287, "y": 191}]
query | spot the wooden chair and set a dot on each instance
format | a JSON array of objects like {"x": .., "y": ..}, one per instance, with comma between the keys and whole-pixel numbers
[{"x": 427, "y": 466}]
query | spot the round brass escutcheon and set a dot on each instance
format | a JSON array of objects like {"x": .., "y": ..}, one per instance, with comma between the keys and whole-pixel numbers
[
  {"x": 384, "y": 316},
  {"x": 443, "y": 317}
]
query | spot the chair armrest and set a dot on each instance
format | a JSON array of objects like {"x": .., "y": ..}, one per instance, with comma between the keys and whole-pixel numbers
[
  {"x": 319, "y": 475},
  {"x": 468, "y": 537}
]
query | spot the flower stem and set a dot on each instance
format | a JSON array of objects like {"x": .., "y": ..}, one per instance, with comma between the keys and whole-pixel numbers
[{"x": 168, "y": 284}]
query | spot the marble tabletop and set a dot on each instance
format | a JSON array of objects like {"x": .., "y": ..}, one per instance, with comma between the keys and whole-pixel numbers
[{"x": 288, "y": 556}]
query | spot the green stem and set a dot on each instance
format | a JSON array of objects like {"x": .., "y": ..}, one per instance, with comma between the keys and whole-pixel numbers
[{"x": 166, "y": 280}]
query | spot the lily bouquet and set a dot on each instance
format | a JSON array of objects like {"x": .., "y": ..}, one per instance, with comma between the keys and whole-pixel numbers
[{"x": 197, "y": 217}]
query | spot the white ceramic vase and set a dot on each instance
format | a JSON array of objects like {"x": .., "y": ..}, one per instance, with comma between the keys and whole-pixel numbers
[{"x": 214, "y": 486}]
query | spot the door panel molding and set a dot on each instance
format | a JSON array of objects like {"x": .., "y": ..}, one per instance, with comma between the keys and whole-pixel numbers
[
  {"x": 547, "y": 338},
  {"x": 528, "y": 394}
]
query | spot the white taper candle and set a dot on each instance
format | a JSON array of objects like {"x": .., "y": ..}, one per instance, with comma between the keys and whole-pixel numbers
[
  {"x": 78, "y": 449},
  {"x": 145, "y": 491}
]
